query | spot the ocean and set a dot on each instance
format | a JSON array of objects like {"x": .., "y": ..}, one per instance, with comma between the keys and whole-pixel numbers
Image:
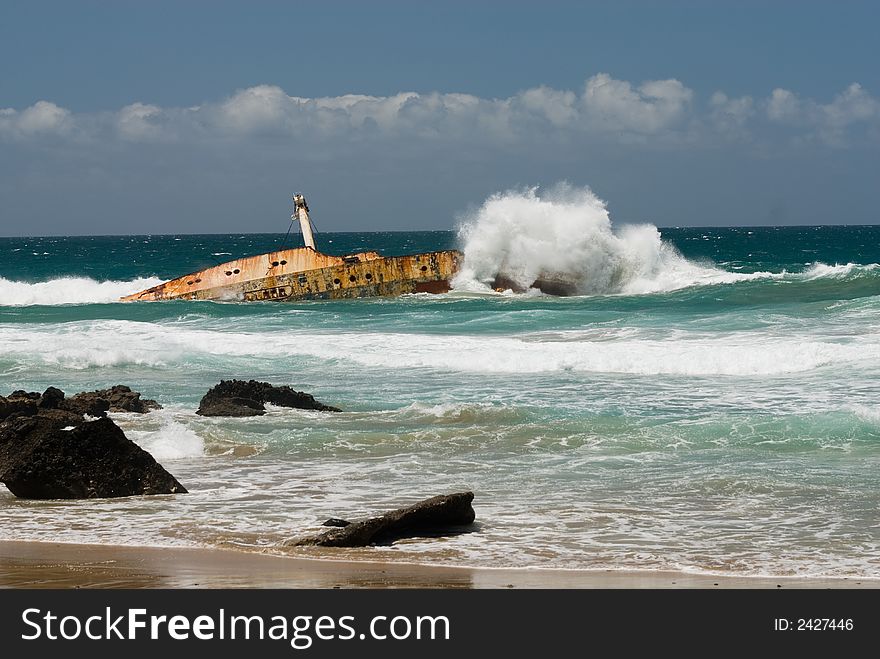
[{"x": 709, "y": 403}]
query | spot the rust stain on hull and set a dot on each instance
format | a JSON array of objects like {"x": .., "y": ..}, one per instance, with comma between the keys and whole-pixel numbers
[{"x": 304, "y": 274}]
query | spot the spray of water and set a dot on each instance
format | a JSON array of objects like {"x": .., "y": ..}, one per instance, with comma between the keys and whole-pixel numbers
[
  {"x": 69, "y": 290},
  {"x": 566, "y": 234}
]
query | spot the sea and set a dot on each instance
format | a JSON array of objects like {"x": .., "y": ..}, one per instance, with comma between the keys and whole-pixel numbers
[{"x": 709, "y": 401}]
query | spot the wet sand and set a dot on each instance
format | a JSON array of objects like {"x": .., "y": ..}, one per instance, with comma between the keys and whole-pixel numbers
[{"x": 47, "y": 565}]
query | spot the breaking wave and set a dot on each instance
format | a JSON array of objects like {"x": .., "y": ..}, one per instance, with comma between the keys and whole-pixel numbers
[
  {"x": 868, "y": 414},
  {"x": 690, "y": 354},
  {"x": 841, "y": 271},
  {"x": 69, "y": 290},
  {"x": 566, "y": 233},
  {"x": 171, "y": 441},
  {"x": 458, "y": 413}
]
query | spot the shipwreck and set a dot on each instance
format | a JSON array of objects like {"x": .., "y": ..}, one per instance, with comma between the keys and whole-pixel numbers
[{"x": 304, "y": 273}]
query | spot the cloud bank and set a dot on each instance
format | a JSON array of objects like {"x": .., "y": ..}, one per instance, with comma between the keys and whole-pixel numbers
[
  {"x": 657, "y": 150},
  {"x": 604, "y": 109}
]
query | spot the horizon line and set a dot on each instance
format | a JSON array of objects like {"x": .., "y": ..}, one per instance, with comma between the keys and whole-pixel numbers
[{"x": 274, "y": 233}]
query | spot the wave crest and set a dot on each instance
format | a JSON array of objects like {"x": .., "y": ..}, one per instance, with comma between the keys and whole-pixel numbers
[
  {"x": 458, "y": 413},
  {"x": 690, "y": 354},
  {"x": 69, "y": 290},
  {"x": 566, "y": 233},
  {"x": 840, "y": 271},
  {"x": 170, "y": 441}
]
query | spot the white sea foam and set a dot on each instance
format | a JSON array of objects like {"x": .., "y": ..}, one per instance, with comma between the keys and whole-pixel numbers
[
  {"x": 567, "y": 232},
  {"x": 734, "y": 355},
  {"x": 83, "y": 345},
  {"x": 837, "y": 271},
  {"x": 172, "y": 441},
  {"x": 74, "y": 346},
  {"x": 460, "y": 412},
  {"x": 69, "y": 290},
  {"x": 868, "y": 413}
]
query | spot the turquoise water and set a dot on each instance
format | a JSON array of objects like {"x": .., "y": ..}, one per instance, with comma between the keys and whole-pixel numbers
[{"x": 714, "y": 407}]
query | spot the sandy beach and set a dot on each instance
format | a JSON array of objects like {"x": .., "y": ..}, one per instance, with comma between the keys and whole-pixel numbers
[{"x": 58, "y": 565}]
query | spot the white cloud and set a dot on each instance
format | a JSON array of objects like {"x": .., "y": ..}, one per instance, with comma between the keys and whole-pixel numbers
[
  {"x": 255, "y": 108},
  {"x": 783, "y": 105},
  {"x": 42, "y": 117},
  {"x": 558, "y": 107},
  {"x": 731, "y": 114},
  {"x": 615, "y": 105},
  {"x": 851, "y": 106},
  {"x": 139, "y": 121},
  {"x": 605, "y": 109},
  {"x": 384, "y": 110},
  {"x": 829, "y": 122},
  {"x": 737, "y": 109}
]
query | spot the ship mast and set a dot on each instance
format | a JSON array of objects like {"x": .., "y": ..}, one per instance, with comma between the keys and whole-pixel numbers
[{"x": 301, "y": 213}]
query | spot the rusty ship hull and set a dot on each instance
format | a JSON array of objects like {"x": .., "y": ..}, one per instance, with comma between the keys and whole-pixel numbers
[{"x": 305, "y": 274}]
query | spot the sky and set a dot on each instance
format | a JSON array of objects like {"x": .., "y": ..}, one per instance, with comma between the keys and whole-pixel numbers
[{"x": 206, "y": 116}]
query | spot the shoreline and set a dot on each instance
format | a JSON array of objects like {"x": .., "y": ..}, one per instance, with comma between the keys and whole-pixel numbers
[{"x": 60, "y": 565}]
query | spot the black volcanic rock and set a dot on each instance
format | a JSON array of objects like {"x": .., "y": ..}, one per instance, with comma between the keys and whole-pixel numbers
[
  {"x": 442, "y": 515},
  {"x": 85, "y": 403},
  {"x": 51, "y": 399},
  {"x": 233, "y": 406},
  {"x": 56, "y": 455},
  {"x": 116, "y": 399},
  {"x": 25, "y": 395},
  {"x": 93, "y": 403},
  {"x": 65, "y": 418},
  {"x": 49, "y": 405},
  {"x": 17, "y": 406},
  {"x": 240, "y": 398}
]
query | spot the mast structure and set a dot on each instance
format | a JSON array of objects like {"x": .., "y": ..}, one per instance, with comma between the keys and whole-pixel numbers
[{"x": 301, "y": 213}]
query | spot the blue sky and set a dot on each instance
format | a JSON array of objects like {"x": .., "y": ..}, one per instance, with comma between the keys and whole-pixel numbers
[{"x": 134, "y": 117}]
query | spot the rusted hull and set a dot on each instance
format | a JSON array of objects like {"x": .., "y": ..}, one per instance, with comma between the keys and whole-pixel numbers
[{"x": 286, "y": 276}]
